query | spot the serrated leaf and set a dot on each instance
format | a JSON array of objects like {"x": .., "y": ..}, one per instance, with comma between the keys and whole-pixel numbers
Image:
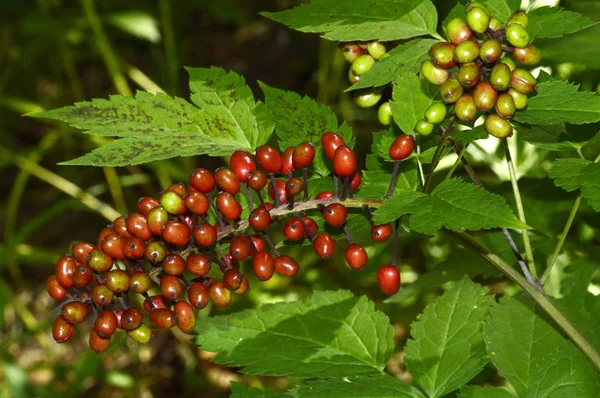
[
  {"x": 578, "y": 48},
  {"x": 460, "y": 206},
  {"x": 447, "y": 349},
  {"x": 375, "y": 184},
  {"x": 483, "y": 392},
  {"x": 411, "y": 97},
  {"x": 502, "y": 9},
  {"x": 458, "y": 11},
  {"x": 535, "y": 358},
  {"x": 571, "y": 174},
  {"x": 557, "y": 101},
  {"x": 332, "y": 334},
  {"x": 364, "y": 20},
  {"x": 381, "y": 386},
  {"x": 406, "y": 58},
  {"x": 238, "y": 390},
  {"x": 558, "y": 137},
  {"x": 395, "y": 207},
  {"x": 470, "y": 135},
  {"x": 460, "y": 263},
  {"x": 578, "y": 276},
  {"x": 157, "y": 126},
  {"x": 298, "y": 119},
  {"x": 554, "y": 22}
]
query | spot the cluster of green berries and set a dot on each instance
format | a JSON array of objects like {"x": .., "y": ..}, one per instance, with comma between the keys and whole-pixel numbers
[
  {"x": 362, "y": 56},
  {"x": 154, "y": 268},
  {"x": 477, "y": 72}
]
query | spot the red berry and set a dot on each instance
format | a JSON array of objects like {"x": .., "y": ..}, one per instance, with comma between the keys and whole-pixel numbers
[
  {"x": 145, "y": 204},
  {"x": 174, "y": 264},
  {"x": 202, "y": 180},
  {"x": 83, "y": 276},
  {"x": 103, "y": 233},
  {"x": 281, "y": 193},
  {"x": 330, "y": 142},
  {"x": 293, "y": 186},
  {"x": 293, "y": 229},
  {"x": 232, "y": 279},
  {"x": 303, "y": 155},
  {"x": 171, "y": 287},
  {"x": 381, "y": 233},
  {"x": 287, "y": 160},
  {"x": 140, "y": 282},
  {"x": 113, "y": 245},
  {"x": 219, "y": 294},
  {"x": 244, "y": 287},
  {"x": 134, "y": 248},
  {"x": 324, "y": 195},
  {"x": 205, "y": 235},
  {"x": 155, "y": 302},
  {"x": 286, "y": 266},
  {"x": 402, "y": 147},
  {"x": 120, "y": 227},
  {"x": 55, "y": 290},
  {"x": 195, "y": 202},
  {"x": 356, "y": 256},
  {"x": 131, "y": 318},
  {"x": 186, "y": 318},
  {"x": 388, "y": 279},
  {"x": 137, "y": 225},
  {"x": 228, "y": 206},
  {"x": 324, "y": 245},
  {"x": 258, "y": 242},
  {"x": 240, "y": 248},
  {"x": 242, "y": 163},
  {"x": 263, "y": 265},
  {"x": 312, "y": 226},
  {"x": 97, "y": 343},
  {"x": 65, "y": 268},
  {"x": 344, "y": 161},
  {"x": 176, "y": 233},
  {"x": 227, "y": 180},
  {"x": 80, "y": 251},
  {"x": 356, "y": 180},
  {"x": 74, "y": 312},
  {"x": 257, "y": 180},
  {"x": 61, "y": 330},
  {"x": 260, "y": 219},
  {"x": 179, "y": 188},
  {"x": 198, "y": 295},
  {"x": 269, "y": 159},
  {"x": 106, "y": 324},
  {"x": 163, "y": 318},
  {"x": 335, "y": 214}
]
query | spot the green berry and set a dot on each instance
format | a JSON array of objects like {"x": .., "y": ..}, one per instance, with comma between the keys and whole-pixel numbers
[
  {"x": 436, "y": 113},
  {"x": 362, "y": 64},
  {"x": 376, "y": 49},
  {"x": 497, "y": 126},
  {"x": 478, "y": 19},
  {"x": 442, "y": 55},
  {"x": 465, "y": 52},
  {"x": 490, "y": 51},
  {"x": 500, "y": 77},
  {"x": 434, "y": 74},
  {"x": 517, "y": 35},
  {"x": 451, "y": 90},
  {"x": 367, "y": 98},
  {"x": 505, "y": 106},
  {"x": 509, "y": 62},
  {"x": 458, "y": 31},
  {"x": 385, "y": 113},
  {"x": 352, "y": 78},
  {"x": 472, "y": 4},
  {"x": 465, "y": 109},
  {"x": 141, "y": 334},
  {"x": 469, "y": 74},
  {"x": 495, "y": 24},
  {"x": 518, "y": 17},
  {"x": 484, "y": 96},
  {"x": 522, "y": 81},
  {"x": 521, "y": 100},
  {"x": 528, "y": 55},
  {"x": 424, "y": 128},
  {"x": 173, "y": 203},
  {"x": 351, "y": 51}
]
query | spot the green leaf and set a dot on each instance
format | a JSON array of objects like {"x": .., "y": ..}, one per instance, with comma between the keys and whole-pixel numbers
[
  {"x": 460, "y": 206},
  {"x": 238, "y": 390},
  {"x": 502, "y": 9},
  {"x": 470, "y": 135},
  {"x": 460, "y": 263},
  {"x": 572, "y": 174},
  {"x": 557, "y": 101},
  {"x": 406, "y": 58},
  {"x": 299, "y": 119},
  {"x": 380, "y": 386},
  {"x": 364, "y": 20},
  {"x": 395, "y": 207},
  {"x": 137, "y": 23},
  {"x": 558, "y": 137},
  {"x": 458, "y": 11},
  {"x": 447, "y": 348},
  {"x": 411, "y": 97},
  {"x": 332, "y": 334},
  {"x": 579, "y": 48},
  {"x": 154, "y": 127},
  {"x": 483, "y": 392},
  {"x": 535, "y": 358},
  {"x": 553, "y": 22}
]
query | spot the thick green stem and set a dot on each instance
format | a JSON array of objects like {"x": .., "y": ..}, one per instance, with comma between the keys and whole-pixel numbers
[{"x": 520, "y": 211}]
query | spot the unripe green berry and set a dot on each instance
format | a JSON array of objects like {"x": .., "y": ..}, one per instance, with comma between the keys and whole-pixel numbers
[
  {"x": 442, "y": 55},
  {"x": 528, "y": 55},
  {"x": 497, "y": 126},
  {"x": 99, "y": 261},
  {"x": 424, "y": 128},
  {"x": 436, "y": 113},
  {"x": 458, "y": 31},
  {"x": 434, "y": 74},
  {"x": 518, "y": 17},
  {"x": 490, "y": 51},
  {"x": 472, "y": 4},
  {"x": 484, "y": 96},
  {"x": 465, "y": 109},
  {"x": 522, "y": 81},
  {"x": 141, "y": 334},
  {"x": 451, "y": 90},
  {"x": 351, "y": 51},
  {"x": 367, "y": 98},
  {"x": 469, "y": 74},
  {"x": 517, "y": 35},
  {"x": 362, "y": 64},
  {"x": 465, "y": 52},
  {"x": 385, "y": 113},
  {"x": 173, "y": 203},
  {"x": 352, "y": 78},
  {"x": 495, "y": 24},
  {"x": 509, "y": 62},
  {"x": 505, "y": 106},
  {"x": 478, "y": 19},
  {"x": 376, "y": 49},
  {"x": 521, "y": 100},
  {"x": 500, "y": 77}
]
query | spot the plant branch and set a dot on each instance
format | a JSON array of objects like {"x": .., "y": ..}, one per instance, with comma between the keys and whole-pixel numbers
[
  {"x": 460, "y": 154},
  {"x": 438, "y": 152},
  {"x": 520, "y": 211}
]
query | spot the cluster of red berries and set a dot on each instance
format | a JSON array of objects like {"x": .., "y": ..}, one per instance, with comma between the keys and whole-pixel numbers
[
  {"x": 476, "y": 72},
  {"x": 164, "y": 252}
]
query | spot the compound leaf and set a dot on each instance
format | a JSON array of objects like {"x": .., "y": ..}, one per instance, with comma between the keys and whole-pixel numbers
[
  {"x": 363, "y": 20},
  {"x": 447, "y": 348},
  {"x": 572, "y": 174},
  {"x": 396, "y": 207},
  {"x": 535, "y": 358},
  {"x": 502, "y": 9},
  {"x": 383, "y": 386},
  {"x": 553, "y": 22},
  {"x": 411, "y": 97},
  {"x": 331, "y": 334},
  {"x": 558, "y": 137},
  {"x": 483, "y": 392}
]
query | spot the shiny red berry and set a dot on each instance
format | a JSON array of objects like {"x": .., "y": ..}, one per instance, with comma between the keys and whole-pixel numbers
[
  {"x": 202, "y": 180},
  {"x": 205, "y": 235},
  {"x": 281, "y": 192},
  {"x": 240, "y": 248},
  {"x": 173, "y": 264},
  {"x": 356, "y": 256},
  {"x": 257, "y": 180},
  {"x": 145, "y": 204},
  {"x": 324, "y": 245},
  {"x": 171, "y": 287},
  {"x": 219, "y": 294},
  {"x": 176, "y": 233},
  {"x": 388, "y": 279},
  {"x": 163, "y": 318},
  {"x": 61, "y": 330},
  {"x": 131, "y": 318},
  {"x": 242, "y": 163},
  {"x": 330, "y": 142},
  {"x": 344, "y": 161},
  {"x": 303, "y": 155},
  {"x": 232, "y": 279},
  {"x": 293, "y": 229},
  {"x": 198, "y": 295},
  {"x": 113, "y": 245},
  {"x": 65, "y": 268},
  {"x": 293, "y": 186},
  {"x": 227, "y": 180},
  {"x": 134, "y": 248},
  {"x": 269, "y": 159},
  {"x": 97, "y": 343},
  {"x": 195, "y": 202},
  {"x": 80, "y": 251},
  {"x": 381, "y": 233},
  {"x": 228, "y": 206},
  {"x": 286, "y": 266},
  {"x": 335, "y": 214},
  {"x": 402, "y": 147},
  {"x": 74, "y": 312},
  {"x": 55, "y": 290},
  {"x": 287, "y": 160},
  {"x": 106, "y": 324},
  {"x": 263, "y": 265},
  {"x": 186, "y": 317},
  {"x": 260, "y": 219}
]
